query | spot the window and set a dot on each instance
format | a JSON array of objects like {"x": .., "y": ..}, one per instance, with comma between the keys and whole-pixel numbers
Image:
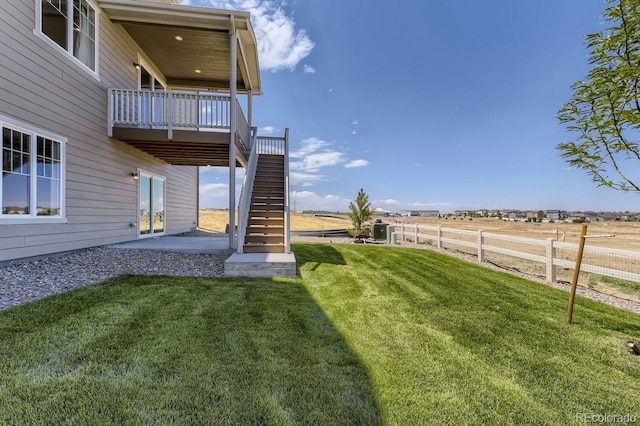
[
  {"x": 71, "y": 24},
  {"x": 32, "y": 183}
]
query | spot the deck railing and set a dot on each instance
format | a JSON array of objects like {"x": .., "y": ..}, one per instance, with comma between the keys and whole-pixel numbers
[{"x": 174, "y": 110}]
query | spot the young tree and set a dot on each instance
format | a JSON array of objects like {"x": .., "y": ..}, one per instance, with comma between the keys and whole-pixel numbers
[
  {"x": 604, "y": 110},
  {"x": 360, "y": 213}
]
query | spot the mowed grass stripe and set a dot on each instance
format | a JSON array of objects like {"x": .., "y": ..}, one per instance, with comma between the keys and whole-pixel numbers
[
  {"x": 458, "y": 342},
  {"x": 164, "y": 350},
  {"x": 366, "y": 334}
]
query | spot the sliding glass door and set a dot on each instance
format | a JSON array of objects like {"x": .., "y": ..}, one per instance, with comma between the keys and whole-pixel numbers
[{"x": 151, "y": 205}]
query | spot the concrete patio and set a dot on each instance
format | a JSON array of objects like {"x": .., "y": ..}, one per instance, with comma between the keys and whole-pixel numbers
[
  {"x": 204, "y": 245},
  {"x": 236, "y": 265}
]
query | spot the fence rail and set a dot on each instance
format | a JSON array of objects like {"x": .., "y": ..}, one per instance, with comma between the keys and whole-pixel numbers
[{"x": 551, "y": 254}]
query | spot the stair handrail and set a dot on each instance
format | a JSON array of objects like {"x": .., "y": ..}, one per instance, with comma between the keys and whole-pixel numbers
[
  {"x": 287, "y": 231},
  {"x": 247, "y": 190}
]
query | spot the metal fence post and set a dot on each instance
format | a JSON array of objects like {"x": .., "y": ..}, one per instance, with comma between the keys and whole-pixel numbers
[
  {"x": 480, "y": 250},
  {"x": 551, "y": 254},
  {"x": 439, "y": 237},
  {"x": 415, "y": 240}
]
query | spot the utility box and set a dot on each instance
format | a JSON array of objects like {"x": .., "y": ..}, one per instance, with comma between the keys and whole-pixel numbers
[{"x": 379, "y": 231}]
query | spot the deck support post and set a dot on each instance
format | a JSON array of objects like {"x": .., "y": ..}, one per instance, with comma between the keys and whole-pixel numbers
[{"x": 232, "y": 133}]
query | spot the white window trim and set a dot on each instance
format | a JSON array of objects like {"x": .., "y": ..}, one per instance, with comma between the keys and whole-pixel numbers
[
  {"x": 153, "y": 70},
  {"x": 34, "y": 132},
  {"x": 38, "y": 32}
]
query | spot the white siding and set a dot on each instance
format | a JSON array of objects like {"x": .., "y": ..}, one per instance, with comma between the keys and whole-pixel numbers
[{"x": 44, "y": 88}]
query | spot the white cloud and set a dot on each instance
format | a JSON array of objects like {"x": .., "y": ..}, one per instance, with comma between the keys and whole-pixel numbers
[
  {"x": 310, "y": 158},
  {"x": 305, "y": 179},
  {"x": 280, "y": 45},
  {"x": 214, "y": 195},
  {"x": 307, "y": 200},
  {"x": 266, "y": 130},
  {"x": 309, "y": 70},
  {"x": 387, "y": 202},
  {"x": 314, "y": 162},
  {"x": 353, "y": 132},
  {"x": 356, "y": 163},
  {"x": 355, "y": 122},
  {"x": 330, "y": 90},
  {"x": 309, "y": 146}
]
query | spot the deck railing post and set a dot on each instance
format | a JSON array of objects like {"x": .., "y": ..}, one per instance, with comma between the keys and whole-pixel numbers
[{"x": 169, "y": 116}]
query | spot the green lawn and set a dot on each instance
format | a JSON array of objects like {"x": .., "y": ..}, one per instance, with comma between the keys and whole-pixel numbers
[{"x": 365, "y": 335}]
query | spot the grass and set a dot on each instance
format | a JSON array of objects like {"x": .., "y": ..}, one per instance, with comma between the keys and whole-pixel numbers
[
  {"x": 365, "y": 335},
  {"x": 615, "y": 286}
]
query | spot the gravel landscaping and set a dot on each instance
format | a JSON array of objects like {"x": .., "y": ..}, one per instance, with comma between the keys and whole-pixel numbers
[
  {"x": 25, "y": 282},
  {"x": 28, "y": 281}
]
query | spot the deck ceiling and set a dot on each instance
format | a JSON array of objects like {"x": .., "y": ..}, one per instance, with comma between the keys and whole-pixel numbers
[
  {"x": 186, "y": 148},
  {"x": 205, "y": 44}
]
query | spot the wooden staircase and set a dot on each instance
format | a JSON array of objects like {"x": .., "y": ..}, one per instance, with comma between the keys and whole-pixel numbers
[{"x": 265, "y": 223}]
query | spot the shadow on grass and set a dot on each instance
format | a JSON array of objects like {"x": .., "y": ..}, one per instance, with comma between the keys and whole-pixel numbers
[
  {"x": 161, "y": 350},
  {"x": 317, "y": 254}
]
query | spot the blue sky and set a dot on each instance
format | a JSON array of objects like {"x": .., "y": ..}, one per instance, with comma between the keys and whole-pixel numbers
[{"x": 434, "y": 105}]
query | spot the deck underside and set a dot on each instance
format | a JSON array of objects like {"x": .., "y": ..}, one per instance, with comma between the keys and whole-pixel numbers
[{"x": 186, "y": 148}]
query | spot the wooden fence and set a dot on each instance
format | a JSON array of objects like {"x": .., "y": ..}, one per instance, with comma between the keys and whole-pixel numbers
[{"x": 550, "y": 255}]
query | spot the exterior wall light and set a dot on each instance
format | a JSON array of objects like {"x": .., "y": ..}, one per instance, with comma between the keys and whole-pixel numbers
[
  {"x": 136, "y": 65},
  {"x": 134, "y": 175}
]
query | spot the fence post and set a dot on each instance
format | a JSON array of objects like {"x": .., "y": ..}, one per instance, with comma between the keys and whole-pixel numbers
[
  {"x": 415, "y": 240},
  {"x": 402, "y": 230},
  {"x": 480, "y": 250},
  {"x": 439, "y": 237},
  {"x": 551, "y": 254}
]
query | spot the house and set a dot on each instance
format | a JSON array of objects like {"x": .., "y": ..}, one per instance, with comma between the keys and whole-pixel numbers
[
  {"x": 536, "y": 215},
  {"x": 427, "y": 213},
  {"x": 553, "y": 215},
  {"x": 109, "y": 107}
]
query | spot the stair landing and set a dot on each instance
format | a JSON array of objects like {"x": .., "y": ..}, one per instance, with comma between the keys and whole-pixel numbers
[{"x": 264, "y": 265}]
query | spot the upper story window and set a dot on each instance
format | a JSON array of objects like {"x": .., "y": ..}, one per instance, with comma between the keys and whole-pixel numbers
[
  {"x": 71, "y": 24},
  {"x": 32, "y": 185}
]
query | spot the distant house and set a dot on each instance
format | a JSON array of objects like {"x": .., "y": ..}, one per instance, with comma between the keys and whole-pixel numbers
[
  {"x": 553, "y": 215},
  {"x": 377, "y": 211},
  {"x": 536, "y": 215},
  {"x": 462, "y": 213},
  {"x": 428, "y": 213},
  {"x": 109, "y": 107},
  {"x": 482, "y": 212}
]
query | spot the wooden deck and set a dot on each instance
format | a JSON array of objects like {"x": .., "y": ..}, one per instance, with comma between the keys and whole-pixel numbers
[{"x": 187, "y": 148}]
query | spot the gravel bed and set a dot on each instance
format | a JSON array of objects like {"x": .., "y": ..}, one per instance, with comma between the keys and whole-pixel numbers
[{"x": 24, "y": 282}]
